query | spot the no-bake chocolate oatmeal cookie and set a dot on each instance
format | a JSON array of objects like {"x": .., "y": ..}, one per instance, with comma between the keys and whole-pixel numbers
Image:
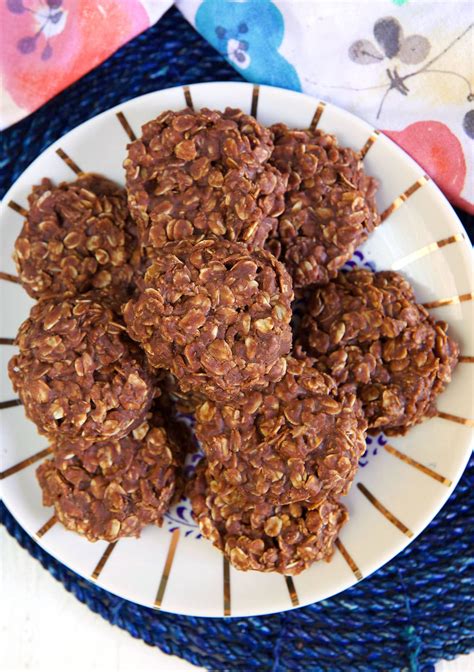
[
  {"x": 114, "y": 488},
  {"x": 255, "y": 534},
  {"x": 78, "y": 373},
  {"x": 292, "y": 442},
  {"x": 215, "y": 315},
  {"x": 77, "y": 236},
  {"x": 366, "y": 330},
  {"x": 329, "y": 207},
  {"x": 203, "y": 174}
]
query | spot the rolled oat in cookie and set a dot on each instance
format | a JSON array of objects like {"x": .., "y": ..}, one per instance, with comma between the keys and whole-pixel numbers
[
  {"x": 256, "y": 535},
  {"x": 114, "y": 488},
  {"x": 203, "y": 174},
  {"x": 216, "y": 315},
  {"x": 330, "y": 204},
  {"x": 294, "y": 441},
  {"x": 366, "y": 330},
  {"x": 77, "y": 236},
  {"x": 78, "y": 373}
]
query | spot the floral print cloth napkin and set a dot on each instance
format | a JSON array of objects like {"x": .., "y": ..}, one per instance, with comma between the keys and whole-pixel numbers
[
  {"x": 405, "y": 66},
  {"x": 45, "y": 45}
]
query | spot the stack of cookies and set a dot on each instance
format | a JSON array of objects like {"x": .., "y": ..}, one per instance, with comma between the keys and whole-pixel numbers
[{"x": 213, "y": 283}]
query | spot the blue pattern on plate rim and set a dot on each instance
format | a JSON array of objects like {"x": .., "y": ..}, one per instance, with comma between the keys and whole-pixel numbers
[
  {"x": 374, "y": 443},
  {"x": 180, "y": 515},
  {"x": 359, "y": 260}
]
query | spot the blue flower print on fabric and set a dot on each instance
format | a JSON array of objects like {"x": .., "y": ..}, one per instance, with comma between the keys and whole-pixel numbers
[{"x": 248, "y": 34}]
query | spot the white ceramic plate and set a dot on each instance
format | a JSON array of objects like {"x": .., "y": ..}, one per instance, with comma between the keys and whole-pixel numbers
[{"x": 400, "y": 486}]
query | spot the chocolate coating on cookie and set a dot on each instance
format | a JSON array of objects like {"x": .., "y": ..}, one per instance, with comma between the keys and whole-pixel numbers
[
  {"x": 78, "y": 373},
  {"x": 77, "y": 236},
  {"x": 292, "y": 442},
  {"x": 329, "y": 206},
  {"x": 114, "y": 488},
  {"x": 203, "y": 174},
  {"x": 255, "y": 535},
  {"x": 215, "y": 315},
  {"x": 367, "y": 331}
]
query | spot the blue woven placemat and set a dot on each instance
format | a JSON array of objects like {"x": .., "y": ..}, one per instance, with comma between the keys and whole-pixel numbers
[{"x": 416, "y": 610}]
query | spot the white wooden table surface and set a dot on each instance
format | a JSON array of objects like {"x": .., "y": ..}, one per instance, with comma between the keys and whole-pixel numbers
[{"x": 45, "y": 629}]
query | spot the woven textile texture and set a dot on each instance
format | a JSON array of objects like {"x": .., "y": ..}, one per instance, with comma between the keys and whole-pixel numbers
[{"x": 414, "y": 611}]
